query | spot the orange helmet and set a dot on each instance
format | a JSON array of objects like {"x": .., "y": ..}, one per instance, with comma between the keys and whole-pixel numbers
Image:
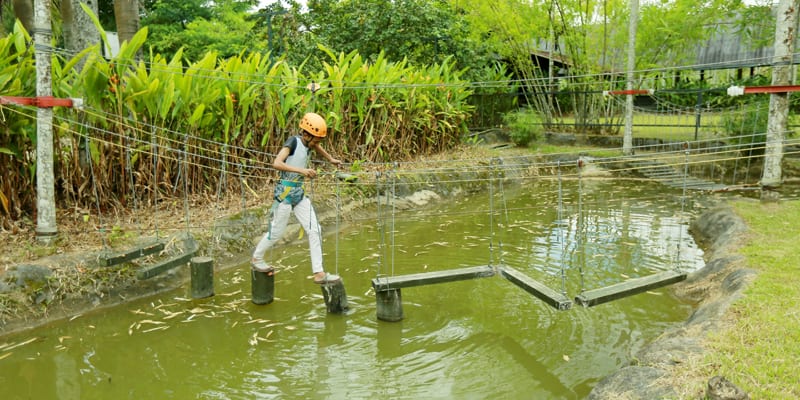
[{"x": 314, "y": 124}]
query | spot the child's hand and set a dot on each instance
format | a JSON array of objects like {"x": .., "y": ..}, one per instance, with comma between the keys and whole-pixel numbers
[{"x": 310, "y": 173}]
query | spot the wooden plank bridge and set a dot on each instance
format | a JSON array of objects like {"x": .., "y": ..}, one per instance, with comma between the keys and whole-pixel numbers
[{"x": 388, "y": 297}]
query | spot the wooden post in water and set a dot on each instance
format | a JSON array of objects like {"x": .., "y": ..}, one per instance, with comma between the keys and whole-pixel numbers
[
  {"x": 263, "y": 286},
  {"x": 335, "y": 296},
  {"x": 202, "y": 277},
  {"x": 389, "y": 304}
]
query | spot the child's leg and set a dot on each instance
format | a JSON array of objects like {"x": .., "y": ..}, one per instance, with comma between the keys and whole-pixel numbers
[
  {"x": 280, "y": 217},
  {"x": 304, "y": 212}
]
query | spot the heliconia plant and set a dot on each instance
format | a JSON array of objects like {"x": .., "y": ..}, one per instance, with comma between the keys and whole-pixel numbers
[{"x": 156, "y": 127}]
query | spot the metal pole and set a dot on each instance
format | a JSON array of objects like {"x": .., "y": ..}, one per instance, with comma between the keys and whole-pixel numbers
[{"x": 697, "y": 113}]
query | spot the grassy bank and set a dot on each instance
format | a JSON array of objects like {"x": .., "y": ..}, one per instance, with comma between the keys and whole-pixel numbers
[{"x": 760, "y": 348}]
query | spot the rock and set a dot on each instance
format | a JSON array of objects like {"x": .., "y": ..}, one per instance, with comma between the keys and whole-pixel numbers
[
  {"x": 632, "y": 383},
  {"x": 720, "y": 388},
  {"x": 29, "y": 276}
]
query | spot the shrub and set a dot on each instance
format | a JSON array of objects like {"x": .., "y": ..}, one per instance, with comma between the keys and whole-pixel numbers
[
  {"x": 524, "y": 126},
  {"x": 748, "y": 128}
]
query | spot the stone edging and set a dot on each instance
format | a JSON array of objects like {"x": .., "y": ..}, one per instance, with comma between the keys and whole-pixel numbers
[{"x": 714, "y": 288}]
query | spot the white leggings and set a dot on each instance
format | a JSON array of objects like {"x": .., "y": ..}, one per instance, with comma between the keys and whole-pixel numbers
[{"x": 304, "y": 212}]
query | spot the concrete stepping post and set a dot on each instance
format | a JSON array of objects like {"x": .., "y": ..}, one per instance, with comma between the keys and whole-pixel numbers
[
  {"x": 202, "y": 277},
  {"x": 263, "y": 287},
  {"x": 335, "y": 296}
]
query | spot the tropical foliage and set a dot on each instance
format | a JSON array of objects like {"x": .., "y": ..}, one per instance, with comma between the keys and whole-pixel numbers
[{"x": 178, "y": 126}]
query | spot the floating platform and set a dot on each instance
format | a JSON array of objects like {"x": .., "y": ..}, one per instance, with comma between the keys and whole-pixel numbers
[
  {"x": 429, "y": 278},
  {"x": 388, "y": 296},
  {"x": 629, "y": 288},
  {"x": 536, "y": 288}
]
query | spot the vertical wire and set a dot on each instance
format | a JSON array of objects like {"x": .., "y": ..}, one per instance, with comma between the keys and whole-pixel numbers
[
  {"x": 562, "y": 238},
  {"x": 338, "y": 214},
  {"x": 581, "y": 227},
  {"x": 381, "y": 227},
  {"x": 241, "y": 186},
  {"x": 394, "y": 182},
  {"x": 155, "y": 179},
  {"x": 505, "y": 211},
  {"x": 128, "y": 167},
  {"x": 683, "y": 204},
  {"x": 752, "y": 142},
  {"x": 491, "y": 214},
  {"x": 94, "y": 190},
  {"x": 186, "y": 180}
]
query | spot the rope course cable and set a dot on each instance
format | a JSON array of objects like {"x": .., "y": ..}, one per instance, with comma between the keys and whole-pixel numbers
[
  {"x": 581, "y": 234},
  {"x": 562, "y": 235}
]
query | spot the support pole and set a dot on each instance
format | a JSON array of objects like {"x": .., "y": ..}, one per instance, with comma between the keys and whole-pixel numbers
[
  {"x": 335, "y": 296},
  {"x": 202, "y": 277},
  {"x": 627, "y": 139},
  {"x": 389, "y": 305},
  {"x": 263, "y": 287},
  {"x": 46, "y": 228}
]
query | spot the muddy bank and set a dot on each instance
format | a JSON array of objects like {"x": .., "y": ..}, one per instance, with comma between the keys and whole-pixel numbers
[{"x": 652, "y": 372}]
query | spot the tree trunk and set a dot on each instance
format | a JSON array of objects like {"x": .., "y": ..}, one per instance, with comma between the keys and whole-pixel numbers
[
  {"x": 627, "y": 138},
  {"x": 23, "y": 10},
  {"x": 126, "y": 13},
  {"x": 786, "y": 23},
  {"x": 79, "y": 30}
]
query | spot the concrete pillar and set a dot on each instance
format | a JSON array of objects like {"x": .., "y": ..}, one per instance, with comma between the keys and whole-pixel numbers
[
  {"x": 335, "y": 296},
  {"x": 389, "y": 305},
  {"x": 263, "y": 287},
  {"x": 202, "y": 277}
]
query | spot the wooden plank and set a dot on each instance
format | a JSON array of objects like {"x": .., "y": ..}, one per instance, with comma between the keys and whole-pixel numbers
[
  {"x": 536, "y": 288},
  {"x": 429, "y": 278},
  {"x": 131, "y": 254},
  {"x": 628, "y": 288},
  {"x": 166, "y": 265}
]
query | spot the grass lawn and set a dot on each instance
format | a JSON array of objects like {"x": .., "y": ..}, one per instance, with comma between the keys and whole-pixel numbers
[{"x": 760, "y": 349}]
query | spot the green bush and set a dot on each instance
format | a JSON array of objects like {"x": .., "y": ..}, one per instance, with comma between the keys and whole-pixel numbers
[
  {"x": 524, "y": 126},
  {"x": 748, "y": 128}
]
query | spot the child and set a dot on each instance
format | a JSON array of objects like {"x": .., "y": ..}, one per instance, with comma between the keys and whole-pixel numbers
[{"x": 292, "y": 161}]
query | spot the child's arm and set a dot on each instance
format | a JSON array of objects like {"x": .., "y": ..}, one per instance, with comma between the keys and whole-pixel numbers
[{"x": 327, "y": 156}]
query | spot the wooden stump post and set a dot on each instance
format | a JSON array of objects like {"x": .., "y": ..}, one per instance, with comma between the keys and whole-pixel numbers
[
  {"x": 389, "y": 304},
  {"x": 263, "y": 287},
  {"x": 202, "y": 277},
  {"x": 335, "y": 296}
]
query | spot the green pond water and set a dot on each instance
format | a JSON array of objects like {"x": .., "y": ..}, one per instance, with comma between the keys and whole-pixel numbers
[{"x": 479, "y": 339}]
